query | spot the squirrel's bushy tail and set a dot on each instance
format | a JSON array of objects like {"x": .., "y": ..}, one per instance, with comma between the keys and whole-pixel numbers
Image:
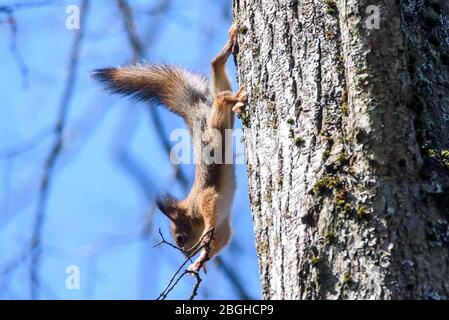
[{"x": 178, "y": 89}]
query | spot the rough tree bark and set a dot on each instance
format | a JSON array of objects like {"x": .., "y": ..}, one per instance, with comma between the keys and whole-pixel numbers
[{"x": 346, "y": 145}]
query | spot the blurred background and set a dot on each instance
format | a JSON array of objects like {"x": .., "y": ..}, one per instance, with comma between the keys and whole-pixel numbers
[{"x": 79, "y": 169}]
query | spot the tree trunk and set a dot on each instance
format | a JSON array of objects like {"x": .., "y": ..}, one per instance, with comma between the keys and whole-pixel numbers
[{"x": 346, "y": 145}]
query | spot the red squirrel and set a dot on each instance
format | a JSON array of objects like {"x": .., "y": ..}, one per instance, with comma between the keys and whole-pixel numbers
[{"x": 197, "y": 101}]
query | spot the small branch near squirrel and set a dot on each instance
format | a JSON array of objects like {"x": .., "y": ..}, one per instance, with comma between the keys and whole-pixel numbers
[
  {"x": 196, "y": 285},
  {"x": 203, "y": 243},
  {"x": 166, "y": 242}
]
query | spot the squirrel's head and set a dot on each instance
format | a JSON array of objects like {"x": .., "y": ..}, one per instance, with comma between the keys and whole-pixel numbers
[{"x": 185, "y": 230}]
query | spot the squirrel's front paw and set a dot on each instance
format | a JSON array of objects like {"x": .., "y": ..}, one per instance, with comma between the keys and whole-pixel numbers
[
  {"x": 195, "y": 266},
  {"x": 241, "y": 96},
  {"x": 200, "y": 261}
]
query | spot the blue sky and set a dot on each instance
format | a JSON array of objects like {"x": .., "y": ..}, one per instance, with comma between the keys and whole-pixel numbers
[{"x": 96, "y": 210}]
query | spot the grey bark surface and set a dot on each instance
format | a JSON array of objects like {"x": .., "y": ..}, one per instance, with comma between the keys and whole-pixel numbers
[{"x": 346, "y": 136}]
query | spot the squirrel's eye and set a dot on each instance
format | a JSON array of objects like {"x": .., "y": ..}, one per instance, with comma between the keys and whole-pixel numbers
[{"x": 179, "y": 239}]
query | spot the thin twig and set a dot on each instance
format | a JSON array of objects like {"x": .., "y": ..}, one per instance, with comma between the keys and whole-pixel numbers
[
  {"x": 160, "y": 8},
  {"x": 138, "y": 54},
  {"x": 166, "y": 242},
  {"x": 131, "y": 32},
  {"x": 13, "y": 45},
  {"x": 74, "y": 139},
  {"x": 9, "y": 11},
  {"x": 26, "y": 5},
  {"x": 26, "y": 146},
  {"x": 15, "y": 262},
  {"x": 196, "y": 285},
  {"x": 126, "y": 160},
  {"x": 174, "y": 281},
  {"x": 54, "y": 154}
]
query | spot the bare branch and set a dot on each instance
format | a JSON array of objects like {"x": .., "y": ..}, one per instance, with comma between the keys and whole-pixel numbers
[
  {"x": 138, "y": 54},
  {"x": 125, "y": 159},
  {"x": 15, "y": 262},
  {"x": 133, "y": 38},
  {"x": 196, "y": 285},
  {"x": 175, "y": 280},
  {"x": 9, "y": 10},
  {"x": 13, "y": 45},
  {"x": 157, "y": 122},
  {"x": 25, "y": 5},
  {"x": 54, "y": 155},
  {"x": 26, "y": 146},
  {"x": 74, "y": 139},
  {"x": 160, "y": 8},
  {"x": 166, "y": 242}
]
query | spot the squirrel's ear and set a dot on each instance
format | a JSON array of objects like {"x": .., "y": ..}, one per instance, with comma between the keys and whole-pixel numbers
[{"x": 167, "y": 204}]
